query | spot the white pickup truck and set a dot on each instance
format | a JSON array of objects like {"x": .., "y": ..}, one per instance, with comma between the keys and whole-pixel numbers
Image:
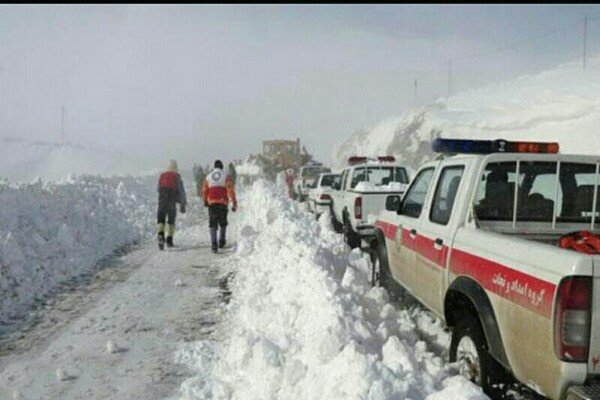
[
  {"x": 319, "y": 197},
  {"x": 476, "y": 240},
  {"x": 362, "y": 192},
  {"x": 306, "y": 179}
]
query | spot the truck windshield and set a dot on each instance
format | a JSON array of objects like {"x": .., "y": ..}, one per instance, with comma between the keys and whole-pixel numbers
[
  {"x": 544, "y": 192},
  {"x": 379, "y": 176},
  {"x": 328, "y": 180},
  {"x": 313, "y": 172}
]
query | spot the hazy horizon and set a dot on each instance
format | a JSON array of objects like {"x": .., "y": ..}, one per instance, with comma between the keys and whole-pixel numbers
[{"x": 199, "y": 82}]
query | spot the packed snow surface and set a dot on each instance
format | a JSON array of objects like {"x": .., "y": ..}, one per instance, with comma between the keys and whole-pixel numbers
[
  {"x": 562, "y": 104},
  {"x": 305, "y": 323},
  {"x": 52, "y": 232}
]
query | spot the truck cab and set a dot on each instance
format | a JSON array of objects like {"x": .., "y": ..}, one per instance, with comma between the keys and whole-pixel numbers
[
  {"x": 306, "y": 179},
  {"x": 319, "y": 197},
  {"x": 476, "y": 240},
  {"x": 365, "y": 184}
]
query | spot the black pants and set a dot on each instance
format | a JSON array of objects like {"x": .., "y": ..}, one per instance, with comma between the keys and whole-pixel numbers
[
  {"x": 167, "y": 211},
  {"x": 217, "y": 220},
  {"x": 217, "y": 215}
]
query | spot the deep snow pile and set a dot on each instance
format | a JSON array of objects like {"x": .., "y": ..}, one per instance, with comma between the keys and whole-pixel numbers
[
  {"x": 561, "y": 105},
  {"x": 55, "y": 231},
  {"x": 304, "y": 322}
]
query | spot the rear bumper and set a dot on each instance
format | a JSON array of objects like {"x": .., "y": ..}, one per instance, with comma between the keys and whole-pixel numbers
[
  {"x": 321, "y": 207},
  {"x": 365, "y": 230},
  {"x": 590, "y": 392}
]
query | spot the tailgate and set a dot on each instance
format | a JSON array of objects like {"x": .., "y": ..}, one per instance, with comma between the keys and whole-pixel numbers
[
  {"x": 374, "y": 203},
  {"x": 594, "y": 357}
]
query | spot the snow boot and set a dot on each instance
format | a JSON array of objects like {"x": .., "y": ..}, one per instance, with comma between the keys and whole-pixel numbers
[
  {"x": 169, "y": 241},
  {"x": 215, "y": 249},
  {"x": 161, "y": 241}
]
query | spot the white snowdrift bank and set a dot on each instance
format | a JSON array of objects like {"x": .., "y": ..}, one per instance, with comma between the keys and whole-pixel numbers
[
  {"x": 305, "y": 323},
  {"x": 560, "y": 104},
  {"x": 53, "y": 232}
]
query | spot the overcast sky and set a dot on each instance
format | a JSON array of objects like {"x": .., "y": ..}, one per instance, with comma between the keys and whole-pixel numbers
[{"x": 200, "y": 82}]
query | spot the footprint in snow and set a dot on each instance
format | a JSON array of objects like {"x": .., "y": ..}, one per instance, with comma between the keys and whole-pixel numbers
[
  {"x": 112, "y": 347},
  {"x": 63, "y": 376}
]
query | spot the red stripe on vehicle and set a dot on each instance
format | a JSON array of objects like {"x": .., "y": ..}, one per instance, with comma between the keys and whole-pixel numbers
[
  {"x": 425, "y": 247},
  {"x": 520, "y": 288},
  {"x": 389, "y": 230}
]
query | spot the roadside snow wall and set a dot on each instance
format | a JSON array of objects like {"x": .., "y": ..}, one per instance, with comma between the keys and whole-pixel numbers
[
  {"x": 52, "y": 232},
  {"x": 304, "y": 322}
]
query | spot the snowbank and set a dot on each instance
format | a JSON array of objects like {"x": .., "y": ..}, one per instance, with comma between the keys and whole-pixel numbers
[
  {"x": 304, "y": 322},
  {"x": 53, "y": 232},
  {"x": 556, "y": 105}
]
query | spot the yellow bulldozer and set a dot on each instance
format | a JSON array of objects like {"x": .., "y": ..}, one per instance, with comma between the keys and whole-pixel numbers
[{"x": 280, "y": 155}]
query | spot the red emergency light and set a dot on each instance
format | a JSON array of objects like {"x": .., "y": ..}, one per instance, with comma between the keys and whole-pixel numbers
[
  {"x": 492, "y": 146},
  {"x": 361, "y": 160}
]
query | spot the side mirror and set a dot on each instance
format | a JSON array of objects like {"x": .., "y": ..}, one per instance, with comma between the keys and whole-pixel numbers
[
  {"x": 392, "y": 203},
  {"x": 335, "y": 186}
]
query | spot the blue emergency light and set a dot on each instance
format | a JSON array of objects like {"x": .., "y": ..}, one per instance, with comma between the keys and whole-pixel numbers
[{"x": 440, "y": 145}]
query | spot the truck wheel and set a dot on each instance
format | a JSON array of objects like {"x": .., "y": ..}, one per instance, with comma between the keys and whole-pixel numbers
[
  {"x": 350, "y": 236},
  {"x": 380, "y": 272},
  {"x": 469, "y": 347}
]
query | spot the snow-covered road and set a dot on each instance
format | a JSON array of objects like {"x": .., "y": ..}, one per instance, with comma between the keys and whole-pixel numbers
[{"x": 116, "y": 338}]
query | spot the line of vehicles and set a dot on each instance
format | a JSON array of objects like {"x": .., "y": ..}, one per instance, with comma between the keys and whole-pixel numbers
[{"x": 476, "y": 237}]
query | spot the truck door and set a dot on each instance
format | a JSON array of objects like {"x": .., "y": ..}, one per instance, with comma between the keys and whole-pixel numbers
[
  {"x": 402, "y": 252},
  {"x": 434, "y": 238}
]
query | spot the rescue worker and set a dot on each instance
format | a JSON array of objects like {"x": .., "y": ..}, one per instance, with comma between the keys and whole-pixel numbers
[
  {"x": 232, "y": 173},
  {"x": 170, "y": 192},
  {"x": 289, "y": 181},
  {"x": 199, "y": 177},
  {"x": 217, "y": 192}
]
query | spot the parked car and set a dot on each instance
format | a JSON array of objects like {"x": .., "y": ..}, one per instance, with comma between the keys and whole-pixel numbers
[
  {"x": 306, "y": 179},
  {"x": 319, "y": 197},
  {"x": 361, "y": 194},
  {"x": 476, "y": 240}
]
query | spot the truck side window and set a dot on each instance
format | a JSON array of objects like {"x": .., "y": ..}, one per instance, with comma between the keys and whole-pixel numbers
[
  {"x": 445, "y": 193},
  {"x": 415, "y": 197}
]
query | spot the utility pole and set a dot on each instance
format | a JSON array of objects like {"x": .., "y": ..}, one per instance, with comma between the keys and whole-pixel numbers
[
  {"x": 584, "y": 41},
  {"x": 62, "y": 126},
  {"x": 449, "y": 76},
  {"x": 416, "y": 83}
]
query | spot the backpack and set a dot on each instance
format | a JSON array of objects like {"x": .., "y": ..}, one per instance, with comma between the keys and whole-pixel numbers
[{"x": 583, "y": 242}]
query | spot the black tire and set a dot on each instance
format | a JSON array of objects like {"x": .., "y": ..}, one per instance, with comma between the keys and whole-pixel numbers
[
  {"x": 351, "y": 237},
  {"x": 487, "y": 372},
  {"x": 380, "y": 273},
  {"x": 336, "y": 224}
]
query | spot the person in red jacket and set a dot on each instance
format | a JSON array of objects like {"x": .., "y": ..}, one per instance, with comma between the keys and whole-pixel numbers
[
  {"x": 217, "y": 192},
  {"x": 170, "y": 192}
]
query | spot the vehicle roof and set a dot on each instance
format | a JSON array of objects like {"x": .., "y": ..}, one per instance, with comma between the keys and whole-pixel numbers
[
  {"x": 528, "y": 156},
  {"x": 375, "y": 164}
]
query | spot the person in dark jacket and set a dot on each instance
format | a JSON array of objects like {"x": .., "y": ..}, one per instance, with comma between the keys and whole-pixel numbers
[{"x": 170, "y": 192}]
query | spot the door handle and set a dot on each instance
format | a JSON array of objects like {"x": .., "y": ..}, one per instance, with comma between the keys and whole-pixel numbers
[
  {"x": 413, "y": 233},
  {"x": 438, "y": 244}
]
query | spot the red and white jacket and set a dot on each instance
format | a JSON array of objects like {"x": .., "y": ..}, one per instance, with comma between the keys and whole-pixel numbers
[{"x": 217, "y": 188}]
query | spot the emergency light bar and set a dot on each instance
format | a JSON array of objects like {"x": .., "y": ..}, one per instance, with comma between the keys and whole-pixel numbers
[
  {"x": 360, "y": 160},
  {"x": 491, "y": 146}
]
